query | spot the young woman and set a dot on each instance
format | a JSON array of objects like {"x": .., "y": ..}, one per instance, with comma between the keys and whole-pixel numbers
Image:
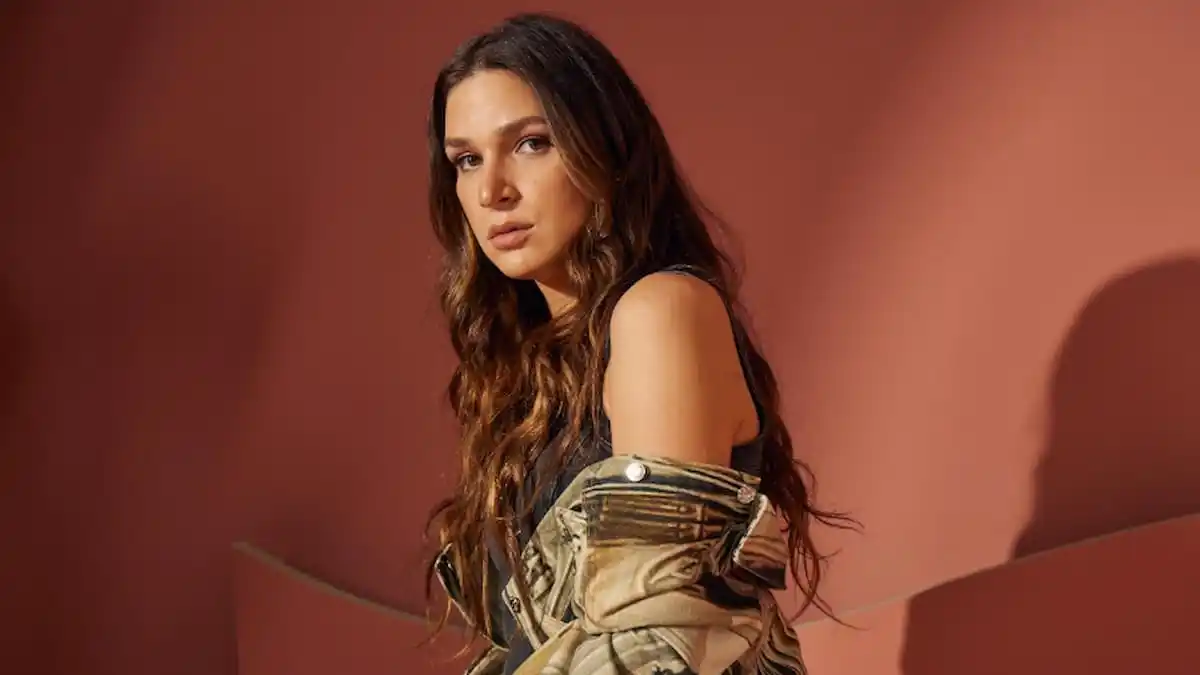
[{"x": 624, "y": 468}]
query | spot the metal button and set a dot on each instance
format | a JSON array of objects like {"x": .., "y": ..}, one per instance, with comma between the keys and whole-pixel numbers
[
  {"x": 745, "y": 494},
  {"x": 635, "y": 471}
]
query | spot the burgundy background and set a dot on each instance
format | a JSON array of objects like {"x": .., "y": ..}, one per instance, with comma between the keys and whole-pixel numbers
[{"x": 973, "y": 249}]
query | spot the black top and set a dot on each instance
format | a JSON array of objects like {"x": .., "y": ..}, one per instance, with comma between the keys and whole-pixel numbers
[{"x": 597, "y": 446}]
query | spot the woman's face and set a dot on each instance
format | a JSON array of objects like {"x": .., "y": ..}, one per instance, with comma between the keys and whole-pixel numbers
[{"x": 520, "y": 203}]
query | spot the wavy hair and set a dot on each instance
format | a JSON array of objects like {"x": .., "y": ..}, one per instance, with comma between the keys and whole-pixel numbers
[{"x": 527, "y": 382}]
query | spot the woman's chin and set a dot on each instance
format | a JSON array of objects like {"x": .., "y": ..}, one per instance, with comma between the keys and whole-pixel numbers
[{"x": 520, "y": 265}]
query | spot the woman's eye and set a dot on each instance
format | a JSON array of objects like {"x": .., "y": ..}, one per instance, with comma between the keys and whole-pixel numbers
[
  {"x": 534, "y": 144},
  {"x": 463, "y": 162}
]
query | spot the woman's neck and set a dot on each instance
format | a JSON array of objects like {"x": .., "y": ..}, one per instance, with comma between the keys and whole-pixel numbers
[
  {"x": 559, "y": 295},
  {"x": 557, "y": 300}
]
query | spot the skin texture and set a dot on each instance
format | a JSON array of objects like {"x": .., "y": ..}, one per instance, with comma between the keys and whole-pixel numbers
[
  {"x": 674, "y": 386},
  {"x": 510, "y": 170}
]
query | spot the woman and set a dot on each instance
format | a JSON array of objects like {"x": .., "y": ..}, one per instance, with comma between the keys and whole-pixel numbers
[{"x": 622, "y": 454}]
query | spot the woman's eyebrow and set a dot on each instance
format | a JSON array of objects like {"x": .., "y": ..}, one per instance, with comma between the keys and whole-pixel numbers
[{"x": 505, "y": 129}]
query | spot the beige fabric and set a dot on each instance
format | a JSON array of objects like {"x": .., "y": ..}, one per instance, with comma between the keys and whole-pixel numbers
[{"x": 668, "y": 567}]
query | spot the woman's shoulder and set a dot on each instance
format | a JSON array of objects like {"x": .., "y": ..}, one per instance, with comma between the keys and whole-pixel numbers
[
  {"x": 668, "y": 319},
  {"x": 668, "y": 299}
]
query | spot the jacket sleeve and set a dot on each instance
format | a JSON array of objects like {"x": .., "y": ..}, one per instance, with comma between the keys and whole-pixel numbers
[{"x": 672, "y": 565}]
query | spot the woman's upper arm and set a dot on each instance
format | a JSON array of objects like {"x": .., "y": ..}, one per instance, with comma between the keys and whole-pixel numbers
[{"x": 674, "y": 386}]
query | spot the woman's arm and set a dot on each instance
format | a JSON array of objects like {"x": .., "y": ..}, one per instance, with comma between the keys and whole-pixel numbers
[
  {"x": 674, "y": 386},
  {"x": 674, "y": 547}
]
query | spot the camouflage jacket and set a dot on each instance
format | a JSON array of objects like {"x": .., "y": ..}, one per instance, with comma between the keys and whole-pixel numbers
[{"x": 669, "y": 568}]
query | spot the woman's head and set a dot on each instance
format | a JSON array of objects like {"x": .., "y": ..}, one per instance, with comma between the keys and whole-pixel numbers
[
  {"x": 518, "y": 198},
  {"x": 536, "y": 129}
]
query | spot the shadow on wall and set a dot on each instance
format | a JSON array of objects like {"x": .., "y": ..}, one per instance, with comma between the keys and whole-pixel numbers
[
  {"x": 1121, "y": 451},
  {"x": 1124, "y": 428}
]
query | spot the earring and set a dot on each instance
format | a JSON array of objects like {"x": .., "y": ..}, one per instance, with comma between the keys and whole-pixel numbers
[{"x": 597, "y": 222}]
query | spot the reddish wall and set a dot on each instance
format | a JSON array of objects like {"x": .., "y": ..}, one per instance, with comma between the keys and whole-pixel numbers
[{"x": 971, "y": 230}]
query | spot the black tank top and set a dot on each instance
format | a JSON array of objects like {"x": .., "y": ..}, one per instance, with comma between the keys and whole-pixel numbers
[{"x": 595, "y": 446}]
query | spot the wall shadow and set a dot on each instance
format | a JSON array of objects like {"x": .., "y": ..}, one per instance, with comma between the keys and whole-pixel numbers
[
  {"x": 1122, "y": 450},
  {"x": 1124, "y": 431}
]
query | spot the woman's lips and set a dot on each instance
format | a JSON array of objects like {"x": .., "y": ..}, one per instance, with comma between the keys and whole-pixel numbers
[{"x": 510, "y": 236}]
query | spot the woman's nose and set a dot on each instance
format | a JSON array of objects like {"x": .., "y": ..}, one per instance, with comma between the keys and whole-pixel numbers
[{"x": 495, "y": 188}]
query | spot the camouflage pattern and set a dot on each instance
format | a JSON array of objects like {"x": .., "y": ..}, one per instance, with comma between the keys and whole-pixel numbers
[{"x": 668, "y": 568}]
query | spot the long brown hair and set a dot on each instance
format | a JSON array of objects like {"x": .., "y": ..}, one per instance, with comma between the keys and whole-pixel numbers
[{"x": 522, "y": 373}]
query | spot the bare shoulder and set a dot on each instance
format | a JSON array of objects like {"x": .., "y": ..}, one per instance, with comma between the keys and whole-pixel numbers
[
  {"x": 674, "y": 385},
  {"x": 667, "y": 300}
]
